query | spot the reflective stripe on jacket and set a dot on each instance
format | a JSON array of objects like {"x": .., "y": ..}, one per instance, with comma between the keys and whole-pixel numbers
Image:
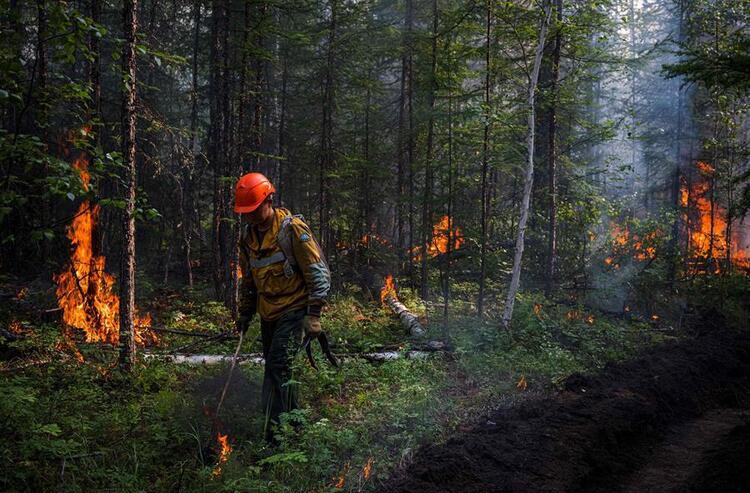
[{"x": 265, "y": 287}]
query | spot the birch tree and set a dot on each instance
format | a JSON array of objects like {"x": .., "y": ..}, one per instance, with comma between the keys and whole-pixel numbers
[{"x": 528, "y": 174}]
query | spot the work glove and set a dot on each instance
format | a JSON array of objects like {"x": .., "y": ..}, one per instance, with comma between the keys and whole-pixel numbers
[
  {"x": 311, "y": 324},
  {"x": 243, "y": 323}
]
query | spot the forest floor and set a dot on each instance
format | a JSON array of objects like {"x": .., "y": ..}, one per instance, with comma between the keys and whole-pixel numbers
[
  {"x": 676, "y": 418},
  {"x": 499, "y": 402}
]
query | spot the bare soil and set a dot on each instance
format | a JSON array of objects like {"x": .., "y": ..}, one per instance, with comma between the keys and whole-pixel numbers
[{"x": 676, "y": 418}]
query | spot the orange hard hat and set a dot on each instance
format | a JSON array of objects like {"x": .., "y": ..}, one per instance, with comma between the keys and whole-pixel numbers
[{"x": 252, "y": 189}]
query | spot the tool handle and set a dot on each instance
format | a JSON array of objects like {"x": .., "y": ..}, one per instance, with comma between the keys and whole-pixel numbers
[{"x": 229, "y": 378}]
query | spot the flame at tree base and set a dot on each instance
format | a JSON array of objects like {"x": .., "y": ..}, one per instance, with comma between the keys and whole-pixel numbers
[
  {"x": 388, "y": 290},
  {"x": 85, "y": 291}
]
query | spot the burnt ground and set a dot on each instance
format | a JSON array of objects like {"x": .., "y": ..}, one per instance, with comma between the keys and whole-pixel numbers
[{"x": 676, "y": 418}]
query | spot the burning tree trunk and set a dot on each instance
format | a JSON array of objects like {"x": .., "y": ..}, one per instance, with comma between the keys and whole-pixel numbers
[
  {"x": 529, "y": 174},
  {"x": 127, "y": 272},
  {"x": 409, "y": 321}
]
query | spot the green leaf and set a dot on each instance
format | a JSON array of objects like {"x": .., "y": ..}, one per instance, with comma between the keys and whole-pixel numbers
[
  {"x": 50, "y": 429},
  {"x": 287, "y": 457}
]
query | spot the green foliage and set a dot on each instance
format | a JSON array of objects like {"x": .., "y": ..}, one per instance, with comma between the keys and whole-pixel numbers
[{"x": 84, "y": 427}]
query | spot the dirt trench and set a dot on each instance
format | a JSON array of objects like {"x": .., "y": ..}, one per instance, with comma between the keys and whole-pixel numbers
[{"x": 676, "y": 418}]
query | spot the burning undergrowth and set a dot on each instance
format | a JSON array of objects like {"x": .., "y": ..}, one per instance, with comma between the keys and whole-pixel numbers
[
  {"x": 242, "y": 403},
  {"x": 86, "y": 293}
]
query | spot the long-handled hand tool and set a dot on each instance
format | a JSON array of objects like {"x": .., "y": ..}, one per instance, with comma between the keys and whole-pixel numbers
[{"x": 229, "y": 377}]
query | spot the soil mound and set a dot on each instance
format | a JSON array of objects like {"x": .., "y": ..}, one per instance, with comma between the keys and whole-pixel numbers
[{"x": 601, "y": 430}]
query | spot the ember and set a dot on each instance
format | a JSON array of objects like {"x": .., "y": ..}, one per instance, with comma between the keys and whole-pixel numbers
[
  {"x": 22, "y": 293},
  {"x": 15, "y": 327},
  {"x": 85, "y": 291}
]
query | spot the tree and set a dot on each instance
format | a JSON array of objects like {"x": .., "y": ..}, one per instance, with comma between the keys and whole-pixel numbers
[
  {"x": 533, "y": 78},
  {"x": 127, "y": 271}
]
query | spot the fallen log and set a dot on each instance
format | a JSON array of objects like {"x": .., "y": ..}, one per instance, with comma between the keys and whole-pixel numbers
[
  {"x": 257, "y": 358},
  {"x": 179, "y": 332},
  {"x": 408, "y": 319}
]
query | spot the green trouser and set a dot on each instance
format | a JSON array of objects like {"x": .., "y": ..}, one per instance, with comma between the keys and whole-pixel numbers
[{"x": 282, "y": 339}]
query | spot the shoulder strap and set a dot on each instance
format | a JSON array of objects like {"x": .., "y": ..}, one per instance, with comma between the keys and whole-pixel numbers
[{"x": 284, "y": 239}]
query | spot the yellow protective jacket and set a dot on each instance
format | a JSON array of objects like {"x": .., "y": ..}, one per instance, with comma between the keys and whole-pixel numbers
[{"x": 266, "y": 286}]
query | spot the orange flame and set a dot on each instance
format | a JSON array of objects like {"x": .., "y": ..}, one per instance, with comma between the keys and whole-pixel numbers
[
  {"x": 341, "y": 480},
  {"x": 224, "y": 452},
  {"x": 367, "y": 469},
  {"x": 625, "y": 242},
  {"x": 15, "y": 327},
  {"x": 705, "y": 168},
  {"x": 388, "y": 290},
  {"x": 21, "y": 294},
  {"x": 442, "y": 232},
  {"x": 85, "y": 291},
  {"x": 707, "y": 226},
  {"x": 522, "y": 383}
]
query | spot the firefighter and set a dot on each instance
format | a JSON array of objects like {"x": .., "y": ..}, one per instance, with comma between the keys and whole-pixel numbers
[{"x": 285, "y": 280}]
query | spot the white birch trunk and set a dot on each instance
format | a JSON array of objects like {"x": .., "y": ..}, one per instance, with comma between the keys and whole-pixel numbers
[{"x": 529, "y": 174}]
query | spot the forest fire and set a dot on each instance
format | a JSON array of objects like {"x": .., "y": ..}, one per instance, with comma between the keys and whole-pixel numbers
[
  {"x": 85, "y": 291},
  {"x": 712, "y": 240},
  {"x": 442, "y": 233},
  {"x": 224, "y": 451},
  {"x": 626, "y": 243},
  {"x": 388, "y": 290}
]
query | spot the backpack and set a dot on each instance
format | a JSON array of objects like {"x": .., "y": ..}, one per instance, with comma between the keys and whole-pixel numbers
[{"x": 284, "y": 239}]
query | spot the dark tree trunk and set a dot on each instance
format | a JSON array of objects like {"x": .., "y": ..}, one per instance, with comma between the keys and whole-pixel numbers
[
  {"x": 187, "y": 171},
  {"x": 326, "y": 138},
  {"x": 427, "y": 198},
  {"x": 485, "y": 167},
  {"x": 447, "y": 274},
  {"x": 95, "y": 66},
  {"x": 281, "y": 150},
  {"x": 552, "y": 155},
  {"x": 404, "y": 137},
  {"x": 127, "y": 271}
]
